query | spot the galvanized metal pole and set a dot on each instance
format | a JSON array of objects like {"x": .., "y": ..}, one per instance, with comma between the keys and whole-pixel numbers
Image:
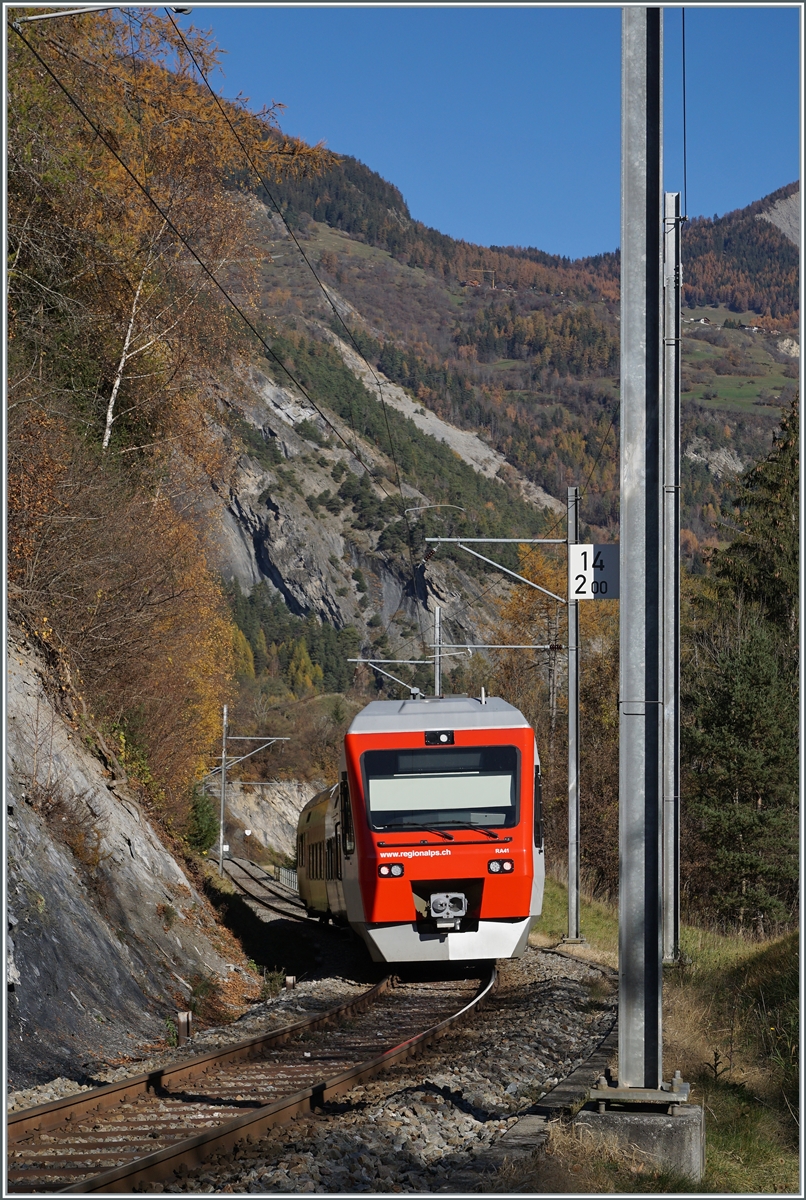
[
  {"x": 573, "y": 732},
  {"x": 437, "y": 648},
  {"x": 640, "y": 971},
  {"x": 223, "y": 794},
  {"x": 671, "y": 576}
]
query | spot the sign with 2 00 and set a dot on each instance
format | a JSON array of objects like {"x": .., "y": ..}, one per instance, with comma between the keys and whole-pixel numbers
[{"x": 593, "y": 572}]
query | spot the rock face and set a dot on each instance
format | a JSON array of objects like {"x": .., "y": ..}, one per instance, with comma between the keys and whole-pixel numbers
[
  {"x": 721, "y": 461},
  {"x": 789, "y": 347},
  {"x": 264, "y": 530},
  {"x": 468, "y": 445},
  {"x": 106, "y": 930},
  {"x": 785, "y": 215},
  {"x": 270, "y": 811}
]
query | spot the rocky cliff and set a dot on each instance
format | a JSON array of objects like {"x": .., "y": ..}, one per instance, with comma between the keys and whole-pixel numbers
[
  {"x": 107, "y": 934},
  {"x": 264, "y": 529},
  {"x": 269, "y": 810}
]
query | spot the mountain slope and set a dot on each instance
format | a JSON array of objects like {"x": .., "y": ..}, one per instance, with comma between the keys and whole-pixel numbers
[
  {"x": 751, "y": 265},
  {"x": 534, "y": 373}
]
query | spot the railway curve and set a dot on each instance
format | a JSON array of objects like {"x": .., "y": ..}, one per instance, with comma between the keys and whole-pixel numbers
[
  {"x": 95, "y": 1142},
  {"x": 257, "y": 885},
  {"x": 448, "y": 1121}
]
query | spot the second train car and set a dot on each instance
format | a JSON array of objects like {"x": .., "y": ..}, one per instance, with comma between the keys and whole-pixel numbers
[{"x": 431, "y": 844}]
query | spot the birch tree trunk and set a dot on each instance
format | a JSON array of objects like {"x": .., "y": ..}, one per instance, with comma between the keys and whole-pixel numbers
[{"x": 110, "y": 408}]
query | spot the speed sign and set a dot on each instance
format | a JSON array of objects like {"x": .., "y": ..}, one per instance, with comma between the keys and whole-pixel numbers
[{"x": 593, "y": 572}]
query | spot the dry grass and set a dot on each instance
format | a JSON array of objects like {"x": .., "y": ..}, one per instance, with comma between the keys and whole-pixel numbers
[{"x": 741, "y": 1068}]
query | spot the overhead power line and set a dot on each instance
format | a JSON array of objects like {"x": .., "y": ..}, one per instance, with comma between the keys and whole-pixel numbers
[{"x": 98, "y": 131}]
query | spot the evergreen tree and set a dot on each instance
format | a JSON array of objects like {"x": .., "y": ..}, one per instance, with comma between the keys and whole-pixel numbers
[
  {"x": 203, "y": 822},
  {"x": 740, "y": 697},
  {"x": 763, "y": 563},
  {"x": 743, "y": 755}
]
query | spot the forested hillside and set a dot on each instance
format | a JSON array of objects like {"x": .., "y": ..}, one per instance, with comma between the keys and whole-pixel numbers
[
  {"x": 734, "y": 259},
  {"x": 744, "y": 263},
  {"x": 524, "y": 346},
  {"x": 116, "y": 197},
  {"x": 351, "y": 197},
  {"x": 210, "y": 504}
]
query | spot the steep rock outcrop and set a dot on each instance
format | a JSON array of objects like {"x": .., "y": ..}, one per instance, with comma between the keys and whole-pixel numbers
[
  {"x": 269, "y": 810},
  {"x": 107, "y": 931},
  {"x": 265, "y": 530},
  {"x": 785, "y": 215}
]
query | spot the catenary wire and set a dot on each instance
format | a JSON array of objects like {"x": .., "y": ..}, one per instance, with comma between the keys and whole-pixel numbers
[
  {"x": 137, "y": 98},
  {"x": 100, "y": 135},
  {"x": 561, "y": 518},
  {"x": 354, "y": 449},
  {"x": 685, "y": 172}
]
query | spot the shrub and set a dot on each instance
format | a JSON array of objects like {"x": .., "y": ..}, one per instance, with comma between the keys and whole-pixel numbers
[{"x": 203, "y": 823}]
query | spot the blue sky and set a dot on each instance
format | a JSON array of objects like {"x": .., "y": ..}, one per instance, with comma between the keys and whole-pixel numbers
[{"x": 501, "y": 124}]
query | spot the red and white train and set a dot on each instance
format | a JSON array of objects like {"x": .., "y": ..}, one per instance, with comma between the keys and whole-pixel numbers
[{"x": 431, "y": 844}]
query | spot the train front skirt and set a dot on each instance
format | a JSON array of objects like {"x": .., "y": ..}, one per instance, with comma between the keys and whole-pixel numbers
[{"x": 408, "y": 943}]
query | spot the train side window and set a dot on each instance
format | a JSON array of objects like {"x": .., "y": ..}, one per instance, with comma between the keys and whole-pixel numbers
[
  {"x": 301, "y": 864},
  {"x": 337, "y": 851},
  {"x": 347, "y": 832},
  {"x": 538, "y": 807}
]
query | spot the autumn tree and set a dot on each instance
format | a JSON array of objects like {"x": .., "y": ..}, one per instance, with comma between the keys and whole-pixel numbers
[
  {"x": 124, "y": 207},
  {"x": 128, "y": 203}
]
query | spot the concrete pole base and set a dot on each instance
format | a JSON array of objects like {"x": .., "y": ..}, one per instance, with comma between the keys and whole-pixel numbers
[{"x": 665, "y": 1141}]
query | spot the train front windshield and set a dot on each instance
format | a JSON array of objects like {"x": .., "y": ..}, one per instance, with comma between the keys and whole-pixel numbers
[{"x": 442, "y": 788}]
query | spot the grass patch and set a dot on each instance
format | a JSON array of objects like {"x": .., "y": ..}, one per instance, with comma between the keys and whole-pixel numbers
[
  {"x": 598, "y": 923},
  {"x": 581, "y": 1162},
  {"x": 730, "y": 1024},
  {"x": 731, "y": 399}
]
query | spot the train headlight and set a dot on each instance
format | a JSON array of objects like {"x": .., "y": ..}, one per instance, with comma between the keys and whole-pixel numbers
[
  {"x": 498, "y": 866},
  {"x": 393, "y": 869}
]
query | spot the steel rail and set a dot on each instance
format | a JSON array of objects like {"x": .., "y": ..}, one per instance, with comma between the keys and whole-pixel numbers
[
  {"x": 272, "y": 885},
  {"x": 50, "y": 1116},
  {"x": 195, "y": 1150},
  {"x": 293, "y": 911},
  {"x": 192, "y": 1151}
]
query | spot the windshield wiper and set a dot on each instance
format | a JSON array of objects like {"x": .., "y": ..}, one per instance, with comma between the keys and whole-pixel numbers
[
  {"x": 420, "y": 829},
  {"x": 483, "y": 828}
]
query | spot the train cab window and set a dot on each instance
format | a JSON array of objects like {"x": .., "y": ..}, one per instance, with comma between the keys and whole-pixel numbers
[
  {"x": 450, "y": 787},
  {"x": 347, "y": 832},
  {"x": 538, "y": 807}
]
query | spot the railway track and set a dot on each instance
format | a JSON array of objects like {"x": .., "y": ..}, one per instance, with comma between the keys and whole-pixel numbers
[
  {"x": 255, "y": 883},
  {"x": 146, "y": 1128}
]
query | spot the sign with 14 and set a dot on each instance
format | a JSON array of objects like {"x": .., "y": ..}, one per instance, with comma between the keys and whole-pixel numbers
[{"x": 593, "y": 572}]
